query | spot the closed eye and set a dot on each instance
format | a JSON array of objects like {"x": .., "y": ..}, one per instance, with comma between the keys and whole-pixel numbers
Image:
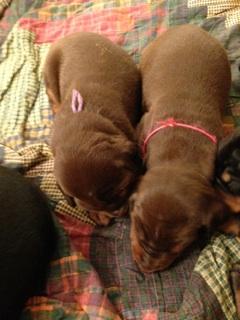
[
  {"x": 150, "y": 250},
  {"x": 68, "y": 198},
  {"x": 70, "y": 201}
]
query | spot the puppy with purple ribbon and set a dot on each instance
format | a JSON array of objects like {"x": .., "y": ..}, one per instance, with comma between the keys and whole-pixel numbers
[{"x": 94, "y": 88}]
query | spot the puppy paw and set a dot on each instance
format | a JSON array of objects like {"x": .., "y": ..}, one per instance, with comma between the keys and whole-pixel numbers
[
  {"x": 232, "y": 201},
  {"x": 101, "y": 219},
  {"x": 231, "y": 226}
]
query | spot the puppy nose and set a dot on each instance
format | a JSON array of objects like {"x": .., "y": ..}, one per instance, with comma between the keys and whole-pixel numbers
[{"x": 120, "y": 212}]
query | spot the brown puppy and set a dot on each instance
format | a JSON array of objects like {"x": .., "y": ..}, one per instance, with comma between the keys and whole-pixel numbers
[
  {"x": 94, "y": 87},
  {"x": 186, "y": 76}
]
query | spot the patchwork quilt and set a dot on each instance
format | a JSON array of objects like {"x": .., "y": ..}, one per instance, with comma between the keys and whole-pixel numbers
[{"x": 92, "y": 275}]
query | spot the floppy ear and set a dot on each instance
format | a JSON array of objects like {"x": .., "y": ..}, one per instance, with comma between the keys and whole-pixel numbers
[
  {"x": 130, "y": 154},
  {"x": 122, "y": 143}
]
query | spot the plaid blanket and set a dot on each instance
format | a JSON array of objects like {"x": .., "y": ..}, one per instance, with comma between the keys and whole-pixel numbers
[{"x": 92, "y": 275}]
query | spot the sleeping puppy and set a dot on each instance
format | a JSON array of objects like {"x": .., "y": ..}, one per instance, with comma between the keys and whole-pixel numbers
[
  {"x": 27, "y": 241},
  {"x": 186, "y": 80},
  {"x": 94, "y": 87}
]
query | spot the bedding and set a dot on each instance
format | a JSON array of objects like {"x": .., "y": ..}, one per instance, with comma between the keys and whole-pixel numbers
[{"x": 92, "y": 275}]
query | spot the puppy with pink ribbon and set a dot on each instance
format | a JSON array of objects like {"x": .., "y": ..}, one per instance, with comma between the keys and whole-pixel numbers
[{"x": 185, "y": 81}]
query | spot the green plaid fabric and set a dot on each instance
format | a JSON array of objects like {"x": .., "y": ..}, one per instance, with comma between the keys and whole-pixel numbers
[
  {"x": 25, "y": 113},
  {"x": 214, "y": 265}
]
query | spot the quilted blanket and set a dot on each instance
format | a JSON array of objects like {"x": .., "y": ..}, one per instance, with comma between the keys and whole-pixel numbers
[{"x": 92, "y": 275}]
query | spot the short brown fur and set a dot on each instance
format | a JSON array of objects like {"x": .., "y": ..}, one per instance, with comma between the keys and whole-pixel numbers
[
  {"x": 185, "y": 75},
  {"x": 96, "y": 154}
]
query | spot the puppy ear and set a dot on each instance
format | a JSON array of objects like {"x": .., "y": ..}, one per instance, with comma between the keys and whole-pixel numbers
[
  {"x": 130, "y": 151},
  {"x": 123, "y": 143}
]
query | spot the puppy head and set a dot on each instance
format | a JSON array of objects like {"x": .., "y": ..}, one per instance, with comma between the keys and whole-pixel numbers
[
  {"x": 167, "y": 219},
  {"x": 99, "y": 175}
]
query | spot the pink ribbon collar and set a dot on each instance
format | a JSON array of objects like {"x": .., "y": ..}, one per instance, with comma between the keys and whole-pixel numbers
[{"x": 171, "y": 123}]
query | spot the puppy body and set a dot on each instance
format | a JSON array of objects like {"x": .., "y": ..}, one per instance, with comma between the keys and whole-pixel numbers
[
  {"x": 186, "y": 76},
  {"x": 27, "y": 241},
  {"x": 96, "y": 154}
]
